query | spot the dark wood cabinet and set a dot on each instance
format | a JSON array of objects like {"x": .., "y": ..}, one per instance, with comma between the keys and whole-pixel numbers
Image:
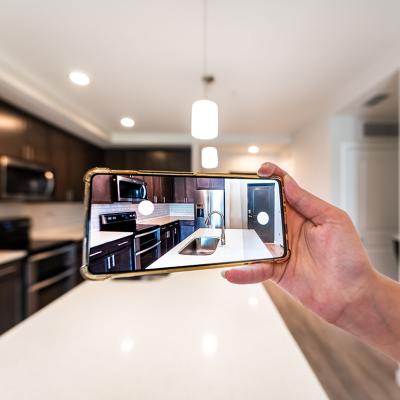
[
  {"x": 184, "y": 189},
  {"x": 115, "y": 256},
  {"x": 10, "y": 294},
  {"x": 27, "y": 137},
  {"x": 149, "y": 159},
  {"x": 169, "y": 236},
  {"x": 102, "y": 189},
  {"x": 210, "y": 183}
]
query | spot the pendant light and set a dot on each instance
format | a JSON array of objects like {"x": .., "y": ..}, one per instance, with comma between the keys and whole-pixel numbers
[
  {"x": 209, "y": 157},
  {"x": 205, "y": 111}
]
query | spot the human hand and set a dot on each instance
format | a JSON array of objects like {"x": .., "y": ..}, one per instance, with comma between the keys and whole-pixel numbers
[{"x": 328, "y": 269}]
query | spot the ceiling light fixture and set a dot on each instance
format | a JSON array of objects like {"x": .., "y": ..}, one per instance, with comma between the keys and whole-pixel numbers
[
  {"x": 209, "y": 157},
  {"x": 253, "y": 149},
  {"x": 79, "y": 78},
  {"x": 204, "y": 111},
  {"x": 127, "y": 122}
]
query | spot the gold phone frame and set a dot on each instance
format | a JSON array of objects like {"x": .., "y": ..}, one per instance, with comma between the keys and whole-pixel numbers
[{"x": 86, "y": 274}]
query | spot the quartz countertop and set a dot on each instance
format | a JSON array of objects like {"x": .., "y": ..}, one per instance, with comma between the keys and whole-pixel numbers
[
  {"x": 165, "y": 220},
  {"x": 7, "y": 256},
  {"x": 241, "y": 244},
  {"x": 100, "y": 237},
  {"x": 185, "y": 335},
  {"x": 74, "y": 234}
]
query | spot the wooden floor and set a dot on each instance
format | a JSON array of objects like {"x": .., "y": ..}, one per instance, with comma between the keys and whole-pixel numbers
[{"x": 346, "y": 368}]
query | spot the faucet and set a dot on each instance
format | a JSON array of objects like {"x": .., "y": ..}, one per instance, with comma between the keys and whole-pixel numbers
[{"x": 208, "y": 222}]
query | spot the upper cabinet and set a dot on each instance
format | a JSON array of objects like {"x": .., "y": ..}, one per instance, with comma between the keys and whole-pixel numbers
[
  {"x": 184, "y": 189},
  {"x": 102, "y": 189},
  {"x": 210, "y": 183}
]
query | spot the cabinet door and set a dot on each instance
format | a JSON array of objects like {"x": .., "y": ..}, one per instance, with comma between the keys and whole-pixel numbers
[
  {"x": 99, "y": 265},
  {"x": 10, "y": 295},
  {"x": 12, "y": 132},
  {"x": 189, "y": 189},
  {"x": 38, "y": 135},
  {"x": 168, "y": 189},
  {"x": 149, "y": 187},
  {"x": 179, "y": 189},
  {"x": 102, "y": 189},
  {"x": 163, "y": 238},
  {"x": 218, "y": 183},
  {"x": 185, "y": 230},
  {"x": 158, "y": 194},
  {"x": 121, "y": 260}
]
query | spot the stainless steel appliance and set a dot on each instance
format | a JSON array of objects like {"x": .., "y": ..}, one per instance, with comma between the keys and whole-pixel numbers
[
  {"x": 206, "y": 201},
  {"x": 50, "y": 267},
  {"x": 129, "y": 188},
  {"x": 21, "y": 180},
  {"x": 146, "y": 242}
]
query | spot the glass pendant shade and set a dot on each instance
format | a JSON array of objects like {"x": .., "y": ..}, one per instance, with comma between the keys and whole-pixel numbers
[
  {"x": 204, "y": 119},
  {"x": 209, "y": 157}
]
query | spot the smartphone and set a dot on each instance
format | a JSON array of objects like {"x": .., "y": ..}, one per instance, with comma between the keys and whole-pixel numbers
[{"x": 143, "y": 222}]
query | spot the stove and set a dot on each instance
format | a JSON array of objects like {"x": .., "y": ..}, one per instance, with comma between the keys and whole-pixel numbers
[
  {"x": 50, "y": 268},
  {"x": 147, "y": 242}
]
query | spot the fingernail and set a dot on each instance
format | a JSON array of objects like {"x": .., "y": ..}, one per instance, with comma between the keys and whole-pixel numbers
[{"x": 223, "y": 274}]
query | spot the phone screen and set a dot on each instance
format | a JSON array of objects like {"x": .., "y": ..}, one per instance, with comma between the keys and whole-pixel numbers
[{"x": 154, "y": 222}]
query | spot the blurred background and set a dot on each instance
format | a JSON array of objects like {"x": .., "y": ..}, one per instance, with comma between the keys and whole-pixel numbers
[{"x": 311, "y": 85}]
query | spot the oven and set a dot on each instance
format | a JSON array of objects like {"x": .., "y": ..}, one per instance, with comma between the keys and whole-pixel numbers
[
  {"x": 48, "y": 275},
  {"x": 147, "y": 248},
  {"x": 21, "y": 180},
  {"x": 128, "y": 188}
]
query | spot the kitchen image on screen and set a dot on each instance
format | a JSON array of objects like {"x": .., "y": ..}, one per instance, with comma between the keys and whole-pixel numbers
[{"x": 150, "y": 222}]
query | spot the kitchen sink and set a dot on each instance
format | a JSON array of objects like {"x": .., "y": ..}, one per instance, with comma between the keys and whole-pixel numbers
[{"x": 201, "y": 246}]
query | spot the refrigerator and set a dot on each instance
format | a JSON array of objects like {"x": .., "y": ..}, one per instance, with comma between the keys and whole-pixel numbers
[{"x": 206, "y": 201}]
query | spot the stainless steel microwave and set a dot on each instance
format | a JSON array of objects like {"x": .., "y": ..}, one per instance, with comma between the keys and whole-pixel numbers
[
  {"x": 129, "y": 189},
  {"x": 22, "y": 180}
]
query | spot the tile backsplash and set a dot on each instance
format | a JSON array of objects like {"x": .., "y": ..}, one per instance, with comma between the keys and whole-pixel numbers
[
  {"x": 160, "y": 210},
  {"x": 46, "y": 216}
]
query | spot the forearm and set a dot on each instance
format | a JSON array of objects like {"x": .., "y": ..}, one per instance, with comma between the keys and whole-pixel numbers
[{"x": 375, "y": 317}]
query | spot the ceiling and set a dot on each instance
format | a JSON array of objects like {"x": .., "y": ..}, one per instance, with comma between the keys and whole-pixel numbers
[
  {"x": 385, "y": 111},
  {"x": 275, "y": 62}
]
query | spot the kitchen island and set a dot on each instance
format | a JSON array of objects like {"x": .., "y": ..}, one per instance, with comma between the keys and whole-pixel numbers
[
  {"x": 241, "y": 244},
  {"x": 188, "y": 335}
]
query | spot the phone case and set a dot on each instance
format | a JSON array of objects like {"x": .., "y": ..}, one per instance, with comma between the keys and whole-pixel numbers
[{"x": 86, "y": 274}]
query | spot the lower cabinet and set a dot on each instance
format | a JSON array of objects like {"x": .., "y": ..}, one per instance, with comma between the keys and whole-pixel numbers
[
  {"x": 186, "y": 228},
  {"x": 10, "y": 294},
  {"x": 169, "y": 236},
  {"x": 112, "y": 256}
]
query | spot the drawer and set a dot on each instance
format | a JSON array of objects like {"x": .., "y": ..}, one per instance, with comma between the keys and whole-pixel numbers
[{"x": 120, "y": 244}]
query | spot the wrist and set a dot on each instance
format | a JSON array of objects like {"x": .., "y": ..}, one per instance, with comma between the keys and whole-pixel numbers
[{"x": 360, "y": 310}]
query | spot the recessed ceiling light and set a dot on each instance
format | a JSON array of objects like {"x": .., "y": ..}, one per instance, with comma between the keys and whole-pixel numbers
[
  {"x": 253, "y": 149},
  {"x": 127, "y": 122},
  {"x": 79, "y": 78}
]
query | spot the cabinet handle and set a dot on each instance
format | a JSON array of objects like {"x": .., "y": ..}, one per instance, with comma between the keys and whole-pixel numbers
[
  {"x": 108, "y": 263},
  {"x": 121, "y": 244},
  {"x": 163, "y": 199},
  {"x": 113, "y": 260},
  {"x": 97, "y": 252}
]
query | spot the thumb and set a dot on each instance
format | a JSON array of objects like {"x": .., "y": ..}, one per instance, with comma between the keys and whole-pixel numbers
[{"x": 252, "y": 274}]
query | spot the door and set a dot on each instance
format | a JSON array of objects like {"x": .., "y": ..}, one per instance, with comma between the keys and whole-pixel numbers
[
  {"x": 260, "y": 210},
  {"x": 369, "y": 193}
]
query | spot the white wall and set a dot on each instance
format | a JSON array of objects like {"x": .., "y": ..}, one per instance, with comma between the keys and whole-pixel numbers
[{"x": 311, "y": 155}]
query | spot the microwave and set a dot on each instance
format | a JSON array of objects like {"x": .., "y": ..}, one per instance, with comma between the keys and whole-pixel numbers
[
  {"x": 128, "y": 188},
  {"x": 22, "y": 180}
]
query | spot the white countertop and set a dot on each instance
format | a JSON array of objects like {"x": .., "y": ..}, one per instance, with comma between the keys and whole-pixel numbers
[
  {"x": 241, "y": 244},
  {"x": 187, "y": 335},
  {"x": 7, "y": 256},
  {"x": 166, "y": 220},
  {"x": 59, "y": 234},
  {"x": 100, "y": 237}
]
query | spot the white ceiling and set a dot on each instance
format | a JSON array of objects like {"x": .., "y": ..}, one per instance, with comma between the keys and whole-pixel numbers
[{"x": 275, "y": 62}]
